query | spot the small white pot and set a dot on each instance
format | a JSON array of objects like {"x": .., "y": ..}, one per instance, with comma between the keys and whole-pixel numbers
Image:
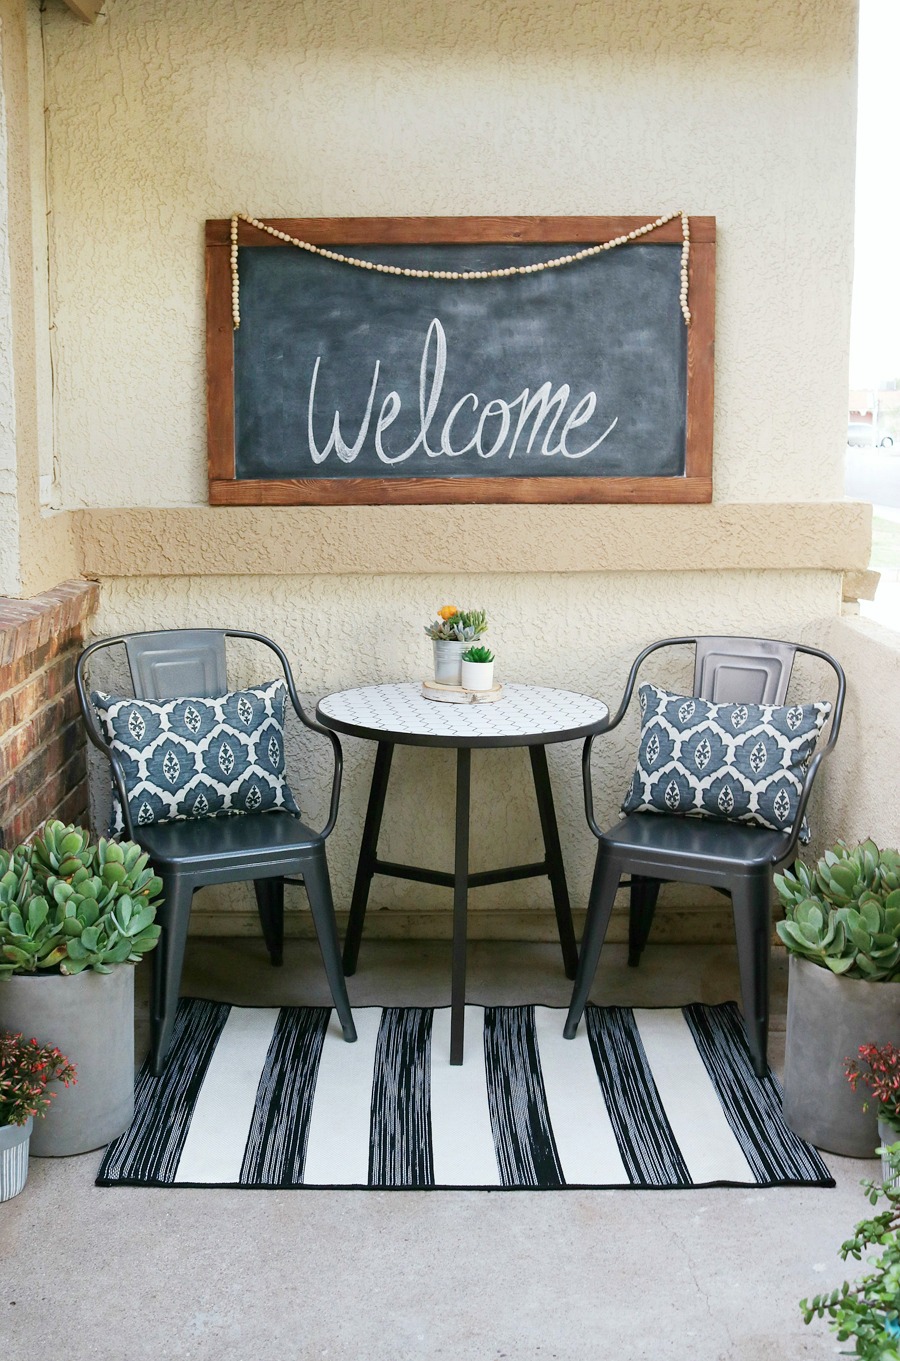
[
  {"x": 14, "y": 1141},
  {"x": 477, "y": 675}
]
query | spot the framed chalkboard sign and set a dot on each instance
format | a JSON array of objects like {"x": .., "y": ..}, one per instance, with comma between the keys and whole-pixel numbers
[{"x": 390, "y": 381}]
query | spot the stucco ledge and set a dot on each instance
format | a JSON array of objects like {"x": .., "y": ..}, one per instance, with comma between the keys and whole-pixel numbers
[{"x": 291, "y": 541}]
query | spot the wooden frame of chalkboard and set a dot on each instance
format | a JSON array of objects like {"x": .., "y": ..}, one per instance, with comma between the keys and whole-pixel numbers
[{"x": 691, "y": 483}]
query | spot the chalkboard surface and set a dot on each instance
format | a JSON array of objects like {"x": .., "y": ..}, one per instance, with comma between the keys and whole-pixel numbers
[{"x": 558, "y": 385}]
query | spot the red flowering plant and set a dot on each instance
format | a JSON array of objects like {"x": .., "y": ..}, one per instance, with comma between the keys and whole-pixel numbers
[
  {"x": 26, "y": 1068},
  {"x": 878, "y": 1069}
]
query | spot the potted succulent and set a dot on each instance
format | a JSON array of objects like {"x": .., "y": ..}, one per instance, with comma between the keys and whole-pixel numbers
[
  {"x": 842, "y": 928},
  {"x": 477, "y": 671},
  {"x": 451, "y": 633},
  {"x": 877, "y": 1067},
  {"x": 74, "y": 915},
  {"x": 26, "y": 1069}
]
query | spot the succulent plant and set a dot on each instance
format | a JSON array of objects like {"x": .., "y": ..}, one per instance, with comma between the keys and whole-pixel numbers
[
  {"x": 69, "y": 904},
  {"x": 844, "y": 914},
  {"x": 28, "y": 939},
  {"x": 459, "y": 627},
  {"x": 478, "y": 654}
]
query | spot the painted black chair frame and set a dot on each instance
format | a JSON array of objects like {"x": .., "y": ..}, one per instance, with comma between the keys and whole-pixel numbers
[
  {"x": 267, "y": 848},
  {"x": 735, "y": 859}
]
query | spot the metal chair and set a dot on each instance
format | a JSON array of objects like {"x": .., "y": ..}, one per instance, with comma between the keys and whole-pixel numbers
[
  {"x": 187, "y": 855},
  {"x": 733, "y": 858}
]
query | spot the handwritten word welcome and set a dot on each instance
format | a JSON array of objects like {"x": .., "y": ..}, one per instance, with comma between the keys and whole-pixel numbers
[{"x": 497, "y": 428}]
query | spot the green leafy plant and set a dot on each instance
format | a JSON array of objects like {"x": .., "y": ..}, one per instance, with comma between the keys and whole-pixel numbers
[
  {"x": 68, "y": 905},
  {"x": 26, "y": 1068},
  {"x": 844, "y": 914},
  {"x": 869, "y": 1311},
  {"x": 457, "y": 626},
  {"x": 478, "y": 654},
  {"x": 878, "y": 1069}
]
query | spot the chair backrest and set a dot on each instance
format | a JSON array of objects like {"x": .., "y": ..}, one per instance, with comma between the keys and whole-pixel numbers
[
  {"x": 743, "y": 670},
  {"x": 177, "y": 662}
]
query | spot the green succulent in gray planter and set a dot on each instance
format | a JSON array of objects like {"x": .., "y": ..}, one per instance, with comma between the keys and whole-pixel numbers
[
  {"x": 74, "y": 916},
  {"x": 842, "y": 929}
]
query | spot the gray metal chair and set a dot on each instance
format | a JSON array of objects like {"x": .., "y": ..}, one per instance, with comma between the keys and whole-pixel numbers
[
  {"x": 187, "y": 855},
  {"x": 735, "y": 859}
]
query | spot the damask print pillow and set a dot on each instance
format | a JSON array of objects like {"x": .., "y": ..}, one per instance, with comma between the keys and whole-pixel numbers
[
  {"x": 198, "y": 758},
  {"x": 734, "y": 762}
]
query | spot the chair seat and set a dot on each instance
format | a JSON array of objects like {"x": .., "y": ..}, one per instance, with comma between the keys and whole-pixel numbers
[
  {"x": 700, "y": 848},
  {"x": 214, "y": 843}
]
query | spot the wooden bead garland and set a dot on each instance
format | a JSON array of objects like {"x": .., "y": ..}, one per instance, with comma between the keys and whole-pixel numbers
[{"x": 461, "y": 276}]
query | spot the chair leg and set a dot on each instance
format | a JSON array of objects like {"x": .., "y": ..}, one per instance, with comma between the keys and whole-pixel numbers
[
  {"x": 318, "y": 891},
  {"x": 600, "y": 905},
  {"x": 644, "y": 893},
  {"x": 270, "y": 904},
  {"x": 168, "y": 958},
  {"x": 752, "y": 903}
]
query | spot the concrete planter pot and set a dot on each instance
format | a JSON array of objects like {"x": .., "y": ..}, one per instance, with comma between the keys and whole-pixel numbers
[
  {"x": 91, "y": 1019},
  {"x": 828, "y": 1019},
  {"x": 14, "y": 1158}
]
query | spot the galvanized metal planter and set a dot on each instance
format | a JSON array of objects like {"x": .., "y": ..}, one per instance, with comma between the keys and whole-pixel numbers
[
  {"x": 91, "y": 1019},
  {"x": 828, "y": 1019},
  {"x": 14, "y": 1158}
]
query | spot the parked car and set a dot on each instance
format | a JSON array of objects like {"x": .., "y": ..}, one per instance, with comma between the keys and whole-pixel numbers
[{"x": 863, "y": 436}]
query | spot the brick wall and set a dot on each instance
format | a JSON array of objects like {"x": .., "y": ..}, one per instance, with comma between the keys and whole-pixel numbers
[{"x": 43, "y": 767}]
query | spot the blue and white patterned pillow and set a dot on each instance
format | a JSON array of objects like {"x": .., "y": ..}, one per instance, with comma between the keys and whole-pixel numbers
[
  {"x": 198, "y": 758},
  {"x": 733, "y": 762}
]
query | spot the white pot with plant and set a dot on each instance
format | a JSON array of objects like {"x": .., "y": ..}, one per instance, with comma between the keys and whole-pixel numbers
[
  {"x": 452, "y": 632},
  {"x": 477, "y": 668},
  {"x": 74, "y": 918},
  {"x": 842, "y": 929},
  {"x": 877, "y": 1069},
  {"x": 26, "y": 1069}
]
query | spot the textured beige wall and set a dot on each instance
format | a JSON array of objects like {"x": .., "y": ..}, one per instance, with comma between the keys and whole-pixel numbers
[
  {"x": 862, "y": 778},
  {"x": 834, "y": 536},
  {"x": 36, "y": 550},
  {"x": 168, "y": 113},
  {"x": 576, "y": 631}
]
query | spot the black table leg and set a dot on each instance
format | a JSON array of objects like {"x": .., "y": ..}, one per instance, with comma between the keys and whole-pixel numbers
[
  {"x": 553, "y": 851},
  {"x": 460, "y": 905},
  {"x": 365, "y": 867}
]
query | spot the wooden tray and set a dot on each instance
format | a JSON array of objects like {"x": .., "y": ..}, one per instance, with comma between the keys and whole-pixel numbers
[{"x": 458, "y": 694}]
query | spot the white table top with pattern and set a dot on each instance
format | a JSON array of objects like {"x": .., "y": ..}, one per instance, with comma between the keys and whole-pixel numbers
[{"x": 525, "y": 715}]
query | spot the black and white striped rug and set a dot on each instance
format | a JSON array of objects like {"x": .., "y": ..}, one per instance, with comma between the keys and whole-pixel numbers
[{"x": 274, "y": 1098}]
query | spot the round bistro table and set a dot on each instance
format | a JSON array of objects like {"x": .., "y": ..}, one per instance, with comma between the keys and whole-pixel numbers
[{"x": 529, "y": 716}]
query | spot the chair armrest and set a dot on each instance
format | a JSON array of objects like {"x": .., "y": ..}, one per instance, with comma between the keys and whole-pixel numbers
[
  {"x": 96, "y": 737},
  {"x": 811, "y": 771},
  {"x": 338, "y": 772},
  {"x": 609, "y": 724},
  {"x": 306, "y": 720}
]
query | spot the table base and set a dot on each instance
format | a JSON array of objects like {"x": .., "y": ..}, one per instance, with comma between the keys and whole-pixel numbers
[{"x": 461, "y": 880}]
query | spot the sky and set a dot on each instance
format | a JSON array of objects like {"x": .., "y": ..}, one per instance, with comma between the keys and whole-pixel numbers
[{"x": 875, "y": 326}]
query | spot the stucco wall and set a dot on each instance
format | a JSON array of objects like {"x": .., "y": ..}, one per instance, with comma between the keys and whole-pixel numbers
[
  {"x": 862, "y": 778},
  {"x": 342, "y": 631},
  {"x": 166, "y": 114}
]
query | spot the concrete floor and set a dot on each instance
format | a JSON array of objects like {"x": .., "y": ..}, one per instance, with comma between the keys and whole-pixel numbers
[{"x": 125, "y": 1274}]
